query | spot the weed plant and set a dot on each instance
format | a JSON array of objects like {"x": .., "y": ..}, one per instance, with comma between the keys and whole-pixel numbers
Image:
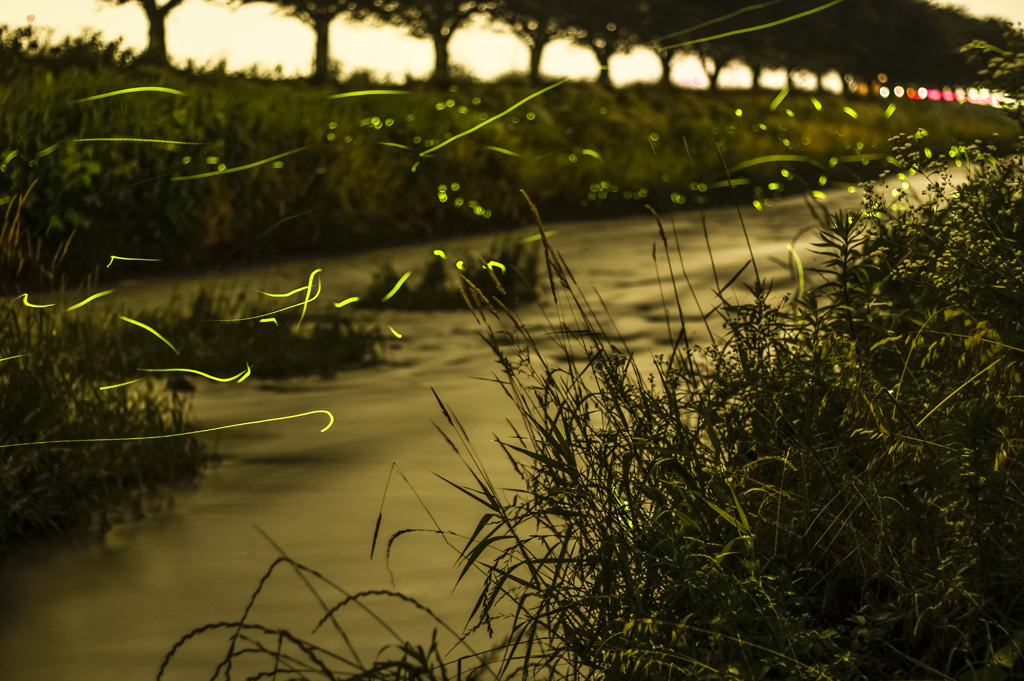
[
  {"x": 833, "y": 492},
  {"x": 46, "y": 394},
  {"x": 52, "y": 379},
  {"x": 509, "y": 271}
]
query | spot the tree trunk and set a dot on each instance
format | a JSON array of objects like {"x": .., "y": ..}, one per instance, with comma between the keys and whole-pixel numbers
[
  {"x": 821, "y": 76},
  {"x": 156, "y": 51},
  {"x": 756, "y": 68},
  {"x": 321, "y": 73},
  {"x": 441, "y": 76},
  {"x": 603, "y": 77},
  {"x": 704, "y": 59},
  {"x": 540, "y": 40},
  {"x": 666, "y": 67},
  {"x": 712, "y": 77}
]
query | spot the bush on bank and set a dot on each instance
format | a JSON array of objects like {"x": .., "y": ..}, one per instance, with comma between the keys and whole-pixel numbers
[
  {"x": 354, "y": 186},
  {"x": 832, "y": 492},
  {"x": 54, "y": 385}
]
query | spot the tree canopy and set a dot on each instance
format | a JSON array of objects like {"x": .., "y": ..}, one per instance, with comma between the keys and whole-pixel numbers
[{"x": 912, "y": 41}]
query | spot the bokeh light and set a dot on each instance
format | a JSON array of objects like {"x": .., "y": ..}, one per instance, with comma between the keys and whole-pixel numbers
[
  {"x": 884, "y": 91},
  {"x": 898, "y": 90}
]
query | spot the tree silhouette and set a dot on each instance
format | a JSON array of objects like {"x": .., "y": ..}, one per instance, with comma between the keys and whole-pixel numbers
[
  {"x": 434, "y": 19},
  {"x": 653, "y": 19},
  {"x": 319, "y": 14},
  {"x": 156, "y": 51},
  {"x": 606, "y": 27},
  {"x": 536, "y": 23}
]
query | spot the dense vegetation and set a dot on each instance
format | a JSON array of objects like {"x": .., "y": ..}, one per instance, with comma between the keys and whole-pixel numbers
[
  {"x": 832, "y": 492},
  {"x": 363, "y": 175}
]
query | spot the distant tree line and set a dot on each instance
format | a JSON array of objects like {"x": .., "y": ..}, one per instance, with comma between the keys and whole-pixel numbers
[{"x": 912, "y": 41}]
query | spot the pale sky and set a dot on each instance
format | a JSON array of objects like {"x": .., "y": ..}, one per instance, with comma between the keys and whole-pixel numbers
[{"x": 207, "y": 31}]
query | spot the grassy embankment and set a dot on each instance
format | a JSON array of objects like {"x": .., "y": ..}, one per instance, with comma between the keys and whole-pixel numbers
[
  {"x": 833, "y": 494},
  {"x": 351, "y": 189}
]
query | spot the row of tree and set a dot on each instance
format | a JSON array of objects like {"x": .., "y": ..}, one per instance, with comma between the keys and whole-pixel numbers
[{"x": 912, "y": 41}]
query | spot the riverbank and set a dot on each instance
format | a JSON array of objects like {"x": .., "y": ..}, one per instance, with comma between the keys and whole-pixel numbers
[{"x": 265, "y": 169}]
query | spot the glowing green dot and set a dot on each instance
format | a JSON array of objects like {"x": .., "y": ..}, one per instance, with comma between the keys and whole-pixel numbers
[
  {"x": 655, "y": 137},
  {"x": 789, "y": 112},
  {"x": 573, "y": 158},
  {"x": 739, "y": 112},
  {"x": 389, "y": 122},
  {"x": 456, "y": 186},
  {"x": 530, "y": 116},
  {"x": 450, "y": 103},
  {"x": 332, "y": 125},
  {"x": 330, "y": 137},
  {"x": 459, "y": 201},
  {"x": 186, "y": 160},
  {"x": 439, "y": 106}
]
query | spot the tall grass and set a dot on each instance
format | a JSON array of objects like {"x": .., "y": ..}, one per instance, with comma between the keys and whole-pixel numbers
[
  {"x": 63, "y": 375},
  {"x": 833, "y": 492}
]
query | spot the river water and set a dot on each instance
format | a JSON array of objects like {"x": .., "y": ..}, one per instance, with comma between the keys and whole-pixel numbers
[{"x": 111, "y": 612}]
